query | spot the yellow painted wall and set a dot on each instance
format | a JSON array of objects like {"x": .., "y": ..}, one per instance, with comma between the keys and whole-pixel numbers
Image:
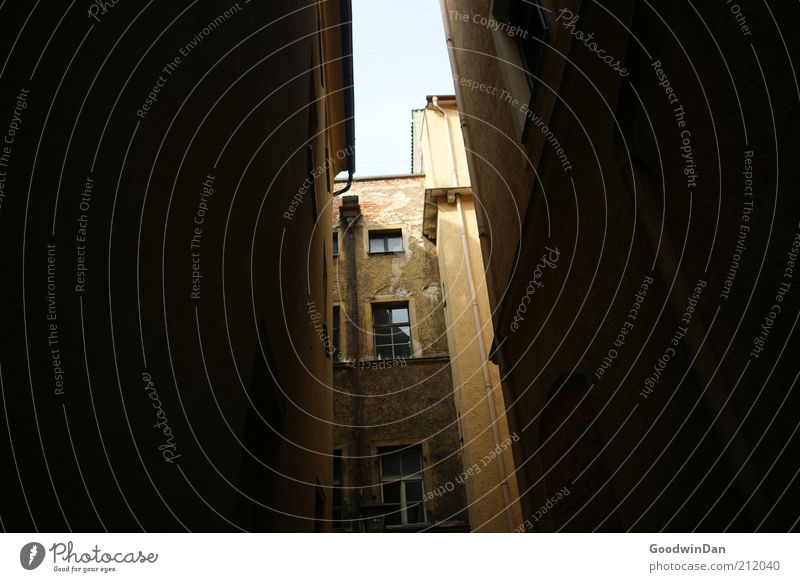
[
  {"x": 485, "y": 496},
  {"x": 435, "y": 152}
]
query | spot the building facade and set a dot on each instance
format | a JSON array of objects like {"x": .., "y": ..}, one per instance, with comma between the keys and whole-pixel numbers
[
  {"x": 156, "y": 344},
  {"x": 411, "y": 336},
  {"x": 449, "y": 222},
  {"x": 396, "y": 437},
  {"x": 636, "y": 238}
]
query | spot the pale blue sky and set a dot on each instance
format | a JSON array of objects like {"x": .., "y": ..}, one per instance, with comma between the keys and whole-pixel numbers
[{"x": 399, "y": 57}]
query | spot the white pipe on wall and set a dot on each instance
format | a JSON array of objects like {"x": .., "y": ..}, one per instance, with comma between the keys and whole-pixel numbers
[{"x": 487, "y": 382}]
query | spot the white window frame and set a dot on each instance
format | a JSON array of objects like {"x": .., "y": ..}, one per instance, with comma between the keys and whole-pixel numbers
[
  {"x": 417, "y": 477},
  {"x": 386, "y": 230},
  {"x": 512, "y": 69},
  {"x": 391, "y": 304}
]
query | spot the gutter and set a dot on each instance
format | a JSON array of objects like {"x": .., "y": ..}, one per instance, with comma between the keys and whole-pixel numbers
[
  {"x": 482, "y": 230},
  {"x": 349, "y": 216},
  {"x": 346, "y": 23}
]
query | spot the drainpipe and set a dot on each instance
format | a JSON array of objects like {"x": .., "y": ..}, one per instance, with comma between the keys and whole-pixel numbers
[
  {"x": 479, "y": 218},
  {"x": 451, "y": 54},
  {"x": 349, "y": 214},
  {"x": 346, "y": 26},
  {"x": 347, "y": 186},
  {"x": 487, "y": 382}
]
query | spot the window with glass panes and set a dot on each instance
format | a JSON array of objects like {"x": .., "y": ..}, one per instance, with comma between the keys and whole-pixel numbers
[
  {"x": 385, "y": 241},
  {"x": 529, "y": 16},
  {"x": 402, "y": 486},
  {"x": 392, "y": 330},
  {"x": 335, "y": 244}
]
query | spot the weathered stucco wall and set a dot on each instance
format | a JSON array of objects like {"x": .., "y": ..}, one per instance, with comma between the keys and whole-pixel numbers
[
  {"x": 402, "y": 405},
  {"x": 412, "y": 275},
  {"x": 484, "y": 490},
  {"x": 394, "y": 402}
]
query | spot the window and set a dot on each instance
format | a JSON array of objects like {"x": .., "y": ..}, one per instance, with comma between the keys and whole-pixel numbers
[
  {"x": 392, "y": 330},
  {"x": 337, "y": 350},
  {"x": 402, "y": 486},
  {"x": 385, "y": 241},
  {"x": 528, "y": 16},
  {"x": 336, "y": 502},
  {"x": 335, "y": 244},
  {"x": 520, "y": 56}
]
